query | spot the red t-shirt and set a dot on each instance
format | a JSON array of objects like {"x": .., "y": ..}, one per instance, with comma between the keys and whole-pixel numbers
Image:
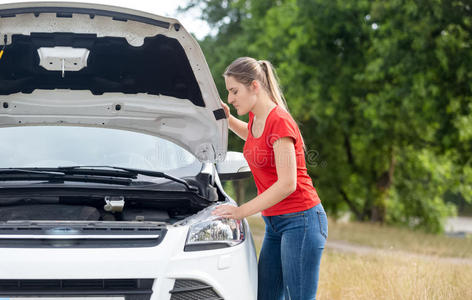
[{"x": 259, "y": 154}]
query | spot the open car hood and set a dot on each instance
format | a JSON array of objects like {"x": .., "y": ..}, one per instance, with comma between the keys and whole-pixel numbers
[{"x": 104, "y": 66}]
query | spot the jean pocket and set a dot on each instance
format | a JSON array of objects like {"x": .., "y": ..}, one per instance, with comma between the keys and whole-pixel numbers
[
  {"x": 323, "y": 219},
  {"x": 291, "y": 215}
]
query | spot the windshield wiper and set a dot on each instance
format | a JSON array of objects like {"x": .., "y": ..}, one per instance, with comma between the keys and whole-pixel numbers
[
  {"x": 58, "y": 175},
  {"x": 100, "y": 174},
  {"x": 129, "y": 171},
  {"x": 29, "y": 171}
]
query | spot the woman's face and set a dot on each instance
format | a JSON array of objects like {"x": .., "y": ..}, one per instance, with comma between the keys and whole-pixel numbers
[{"x": 241, "y": 97}]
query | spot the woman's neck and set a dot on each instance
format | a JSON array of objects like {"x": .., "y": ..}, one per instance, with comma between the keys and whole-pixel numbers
[{"x": 263, "y": 107}]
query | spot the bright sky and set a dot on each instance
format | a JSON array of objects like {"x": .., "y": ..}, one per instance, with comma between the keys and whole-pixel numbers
[{"x": 167, "y": 8}]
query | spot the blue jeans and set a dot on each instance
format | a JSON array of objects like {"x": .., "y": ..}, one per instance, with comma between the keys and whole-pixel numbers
[{"x": 289, "y": 261}]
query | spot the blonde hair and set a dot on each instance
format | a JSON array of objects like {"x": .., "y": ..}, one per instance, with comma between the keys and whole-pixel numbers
[{"x": 247, "y": 69}]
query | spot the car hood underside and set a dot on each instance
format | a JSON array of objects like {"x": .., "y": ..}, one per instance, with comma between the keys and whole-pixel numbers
[{"x": 103, "y": 66}]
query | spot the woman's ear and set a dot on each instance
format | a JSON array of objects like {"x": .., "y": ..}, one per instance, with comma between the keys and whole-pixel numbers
[{"x": 255, "y": 86}]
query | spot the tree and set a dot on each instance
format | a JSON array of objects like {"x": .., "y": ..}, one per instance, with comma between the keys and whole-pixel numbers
[{"x": 381, "y": 90}]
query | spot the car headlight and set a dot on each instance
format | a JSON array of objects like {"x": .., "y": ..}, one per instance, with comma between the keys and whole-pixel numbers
[{"x": 212, "y": 232}]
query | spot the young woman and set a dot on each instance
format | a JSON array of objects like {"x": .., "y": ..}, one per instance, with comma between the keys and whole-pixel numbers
[{"x": 296, "y": 223}]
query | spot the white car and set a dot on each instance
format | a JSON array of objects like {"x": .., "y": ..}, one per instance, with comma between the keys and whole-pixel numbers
[{"x": 113, "y": 145}]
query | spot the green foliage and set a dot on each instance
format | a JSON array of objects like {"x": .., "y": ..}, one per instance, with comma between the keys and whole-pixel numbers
[
  {"x": 382, "y": 91},
  {"x": 229, "y": 189}
]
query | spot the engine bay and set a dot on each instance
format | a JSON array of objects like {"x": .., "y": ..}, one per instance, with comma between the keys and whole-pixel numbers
[{"x": 108, "y": 209}]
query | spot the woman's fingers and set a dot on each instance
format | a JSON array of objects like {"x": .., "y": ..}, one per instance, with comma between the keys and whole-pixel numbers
[
  {"x": 220, "y": 210},
  {"x": 226, "y": 108},
  {"x": 226, "y": 211}
]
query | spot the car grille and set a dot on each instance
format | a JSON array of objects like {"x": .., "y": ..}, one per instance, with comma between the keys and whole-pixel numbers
[
  {"x": 185, "y": 289},
  {"x": 131, "y": 289},
  {"x": 71, "y": 234}
]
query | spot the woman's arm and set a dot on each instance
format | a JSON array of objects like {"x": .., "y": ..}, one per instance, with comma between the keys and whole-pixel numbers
[
  {"x": 237, "y": 126},
  {"x": 286, "y": 166}
]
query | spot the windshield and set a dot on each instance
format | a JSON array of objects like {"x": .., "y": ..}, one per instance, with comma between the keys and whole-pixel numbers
[{"x": 59, "y": 146}]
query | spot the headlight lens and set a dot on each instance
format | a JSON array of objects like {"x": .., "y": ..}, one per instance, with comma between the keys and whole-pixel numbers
[{"x": 211, "y": 232}]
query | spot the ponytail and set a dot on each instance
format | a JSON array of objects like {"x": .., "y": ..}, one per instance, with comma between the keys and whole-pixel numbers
[{"x": 273, "y": 84}]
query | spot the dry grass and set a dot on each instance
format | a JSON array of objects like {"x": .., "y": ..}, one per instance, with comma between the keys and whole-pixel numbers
[
  {"x": 393, "y": 238},
  {"x": 389, "y": 275},
  {"x": 390, "y": 238},
  {"x": 350, "y": 276},
  {"x": 257, "y": 230}
]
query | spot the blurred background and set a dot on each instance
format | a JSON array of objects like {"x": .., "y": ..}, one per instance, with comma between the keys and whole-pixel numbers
[
  {"x": 381, "y": 90},
  {"x": 382, "y": 93}
]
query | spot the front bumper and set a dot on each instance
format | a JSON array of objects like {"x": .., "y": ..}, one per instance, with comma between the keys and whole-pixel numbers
[{"x": 230, "y": 272}]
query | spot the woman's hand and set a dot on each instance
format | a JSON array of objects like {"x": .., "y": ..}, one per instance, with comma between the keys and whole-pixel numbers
[
  {"x": 228, "y": 211},
  {"x": 237, "y": 126},
  {"x": 226, "y": 108}
]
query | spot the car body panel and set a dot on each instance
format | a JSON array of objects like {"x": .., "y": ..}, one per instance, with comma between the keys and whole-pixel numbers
[
  {"x": 226, "y": 270},
  {"x": 200, "y": 127},
  {"x": 88, "y": 65}
]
